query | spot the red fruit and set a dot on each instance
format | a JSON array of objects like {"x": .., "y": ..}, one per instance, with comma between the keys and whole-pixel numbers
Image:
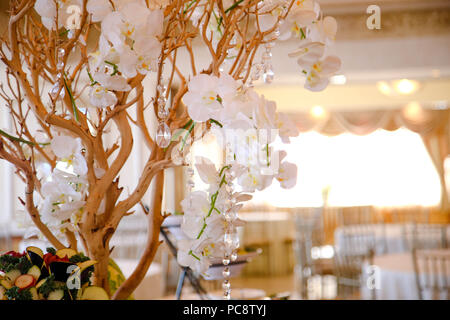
[
  {"x": 25, "y": 281},
  {"x": 15, "y": 254}
]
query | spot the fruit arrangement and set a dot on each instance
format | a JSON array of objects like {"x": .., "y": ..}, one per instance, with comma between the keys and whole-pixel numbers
[{"x": 56, "y": 275}]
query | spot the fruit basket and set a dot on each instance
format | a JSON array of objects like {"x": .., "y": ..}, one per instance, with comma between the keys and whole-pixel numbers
[{"x": 56, "y": 275}]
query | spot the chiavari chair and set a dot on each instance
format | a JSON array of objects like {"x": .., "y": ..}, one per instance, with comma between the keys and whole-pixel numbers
[{"x": 432, "y": 273}]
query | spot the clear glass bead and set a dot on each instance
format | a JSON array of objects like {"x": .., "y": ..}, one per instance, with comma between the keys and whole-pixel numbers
[
  {"x": 161, "y": 88},
  {"x": 228, "y": 240},
  {"x": 230, "y": 216},
  {"x": 268, "y": 74},
  {"x": 267, "y": 55},
  {"x": 234, "y": 256},
  {"x": 270, "y": 45},
  {"x": 60, "y": 65},
  {"x": 226, "y": 260},
  {"x": 162, "y": 101},
  {"x": 61, "y": 53},
  {"x": 71, "y": 34},
  {"x": 276, "y": 33},
  {"x": 191, "y": 183},
  {"x": 226, "y": 285},
  {"x": 56, "y": 91},
  {"x": 226, "y": 272},
  {"x": 163, "y": 113},
  {"x": 190, "y": 171},
  {"x": 163, "y": 135},
  {"x": 227, "y": 295}
]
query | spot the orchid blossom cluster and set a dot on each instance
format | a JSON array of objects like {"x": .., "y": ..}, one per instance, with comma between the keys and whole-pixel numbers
[
  {"x": 247, "y": 125},
  {"x": 316, "y": 34}
]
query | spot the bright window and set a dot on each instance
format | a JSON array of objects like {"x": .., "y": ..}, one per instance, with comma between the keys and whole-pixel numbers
[{"x": 381, "y": 169}]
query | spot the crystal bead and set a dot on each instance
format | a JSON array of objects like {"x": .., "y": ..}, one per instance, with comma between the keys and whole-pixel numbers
[
  {"x": 56, "y": 91},
  {"x": 162, "y": 112},
  {"x": 226, "y": 261},
  {"x": 227, "y": 239},
  {"x": 190, "y": 183},
  {"x": 60, "y": 65},
  {"x": 227, "y": 295},
  {"x": 269, "y": 45},
  {"x": 276, "y": 33},
  {"x": 234, "y": 256},
  {"x": 267, "y": 55},
  {"x": 71, "y": 34},
  {"x": 161, "y": 88},
  {"x": 226, "y": 285},
  {"x": 268, "y": 74},
  {"x": 190, "y": 171},
  {"x": 61, "y": 52},
  {"x": 226, "y": 272},
  {"x": 230, "y": 216},
  {"x": 163, "y": 135}
]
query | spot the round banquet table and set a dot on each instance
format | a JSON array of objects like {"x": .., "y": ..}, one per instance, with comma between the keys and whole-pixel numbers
[
  {"x": 388, "y": 237},
  {"x": 396, "y": 277}
]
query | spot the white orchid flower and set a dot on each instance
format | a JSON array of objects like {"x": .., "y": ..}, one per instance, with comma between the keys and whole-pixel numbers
[
  {"x": 324, "y": 30},
  {"x": 115, "y": 82},
  {"x": 69, "y": 150},
  {"x": 101, "y": 97},
  {"x": 202, "y": 97},
  {"x": 287, "y": 175},
  {"x": 286, "y": 127},
  {"x": 61, "y": 199},
  {"x": 47, "y": 10},
  {"x": 253, "y": 180},
  {"x": 196, "y": 254},
  {"x": 269, "y": 12},
  {"x": 302, "y": 14},
  {"x": 99, "y": 9},
  {"x": 207, "y": 171},
  {"x": 318, "y": 74},
  {"x": 308, "y": 53},
  {"x": 195, "y": 207},
  {"x": 143, "y": 58}
]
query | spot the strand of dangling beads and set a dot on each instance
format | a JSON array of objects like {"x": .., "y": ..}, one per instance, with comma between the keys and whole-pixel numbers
[
  {"x": 231, "y": 238},
  {"x": 58, "y": 91},
  {"x": 265, "y": 66},
  {"x": 163, "y": 134}
]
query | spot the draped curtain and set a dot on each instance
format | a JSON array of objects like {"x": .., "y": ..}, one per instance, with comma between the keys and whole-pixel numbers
[{"x": 431, "y": 124}]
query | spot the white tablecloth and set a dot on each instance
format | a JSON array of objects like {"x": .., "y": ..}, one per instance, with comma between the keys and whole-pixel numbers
[
  {"x": 388, "y": 237},
  {"x": 396, "y": 278}
]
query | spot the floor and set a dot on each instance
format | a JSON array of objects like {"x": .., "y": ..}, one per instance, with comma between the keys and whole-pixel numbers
[{"x": 280, "y": 287}]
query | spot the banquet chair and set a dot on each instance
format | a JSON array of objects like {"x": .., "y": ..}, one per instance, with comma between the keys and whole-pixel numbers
[
  {"x": 357, "y": 215},
  {"x": 432, "y": 274},
  {"x": 424, "y": 236},
  {"x": 413, "y": 214},
  {"x": 308, "y": 242},
  {"x": 349, "y": 259}
]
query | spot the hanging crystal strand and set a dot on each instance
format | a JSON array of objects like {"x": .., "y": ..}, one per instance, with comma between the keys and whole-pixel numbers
[
  {"x": 58, "y": 91},
  {"x": 163, "y": 134},
  {"x": 230, "y": 244},
  {"x": 266, "y": 60},
  {"x": 190, "y": 184}
]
